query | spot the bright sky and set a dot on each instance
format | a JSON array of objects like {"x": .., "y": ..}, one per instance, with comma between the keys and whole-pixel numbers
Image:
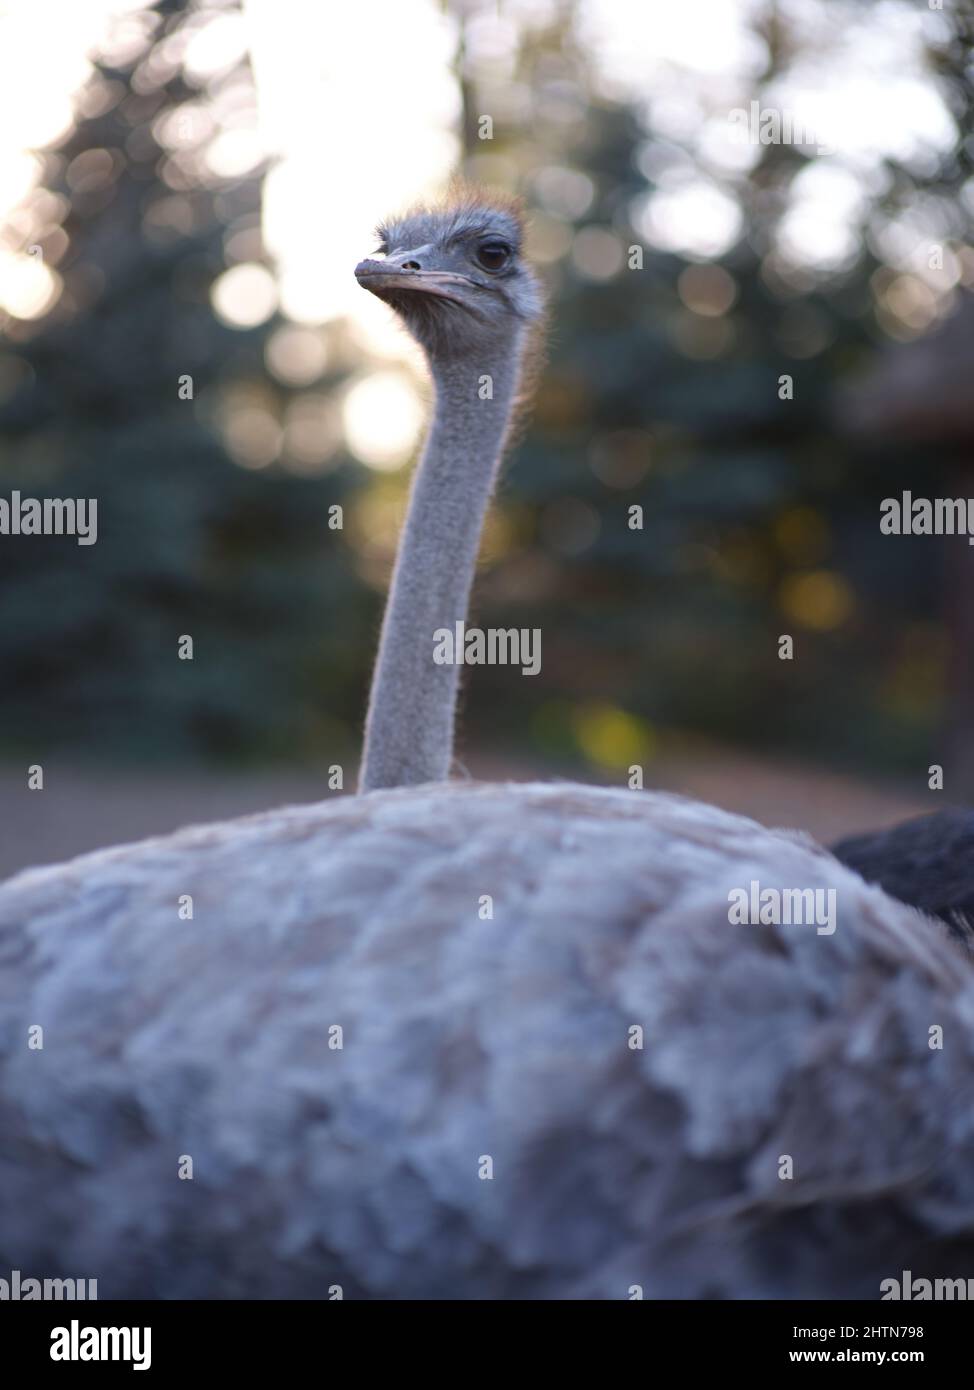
[
  {"x": 860, "y": 87},
  {"x": 360, "y": 106},
  {"x": 351, "y": 120},
  {"x": 36, "y": 108}
]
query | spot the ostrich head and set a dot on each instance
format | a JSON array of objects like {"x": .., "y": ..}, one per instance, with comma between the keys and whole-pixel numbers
[{"x": 455, "y": 275}]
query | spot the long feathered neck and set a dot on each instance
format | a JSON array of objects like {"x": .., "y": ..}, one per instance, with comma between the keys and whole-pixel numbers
[{"x": 409, "y": 728}]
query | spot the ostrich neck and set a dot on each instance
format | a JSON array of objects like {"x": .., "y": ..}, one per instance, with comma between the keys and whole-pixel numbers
[{"x": 409, "y": 728}]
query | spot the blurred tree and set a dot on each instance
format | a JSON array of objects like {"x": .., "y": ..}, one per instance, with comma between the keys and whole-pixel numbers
[
  {"x": 126, "y": 391},
  {"x": 664, "y": 391},
  {"x": 702, "y": 391}
]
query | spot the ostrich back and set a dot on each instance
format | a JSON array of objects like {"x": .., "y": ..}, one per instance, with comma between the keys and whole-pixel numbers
[{"x": 489, "y": 1126}]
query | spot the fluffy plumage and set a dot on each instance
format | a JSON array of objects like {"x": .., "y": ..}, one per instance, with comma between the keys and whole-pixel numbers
[{"x": 466, "y": 1037}]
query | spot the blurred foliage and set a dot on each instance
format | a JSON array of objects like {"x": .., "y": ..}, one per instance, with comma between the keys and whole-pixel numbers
[
  {"x": 188, "y": 542},
  {"x": 760, "y": 515},
  {"x": 661, "y": 391}
]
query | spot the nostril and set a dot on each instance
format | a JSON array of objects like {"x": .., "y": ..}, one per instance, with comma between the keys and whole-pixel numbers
[{"x": 411, "y": 265}]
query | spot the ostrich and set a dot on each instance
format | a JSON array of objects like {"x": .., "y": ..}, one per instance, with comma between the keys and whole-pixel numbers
[{"x": 446, "y": 1040}]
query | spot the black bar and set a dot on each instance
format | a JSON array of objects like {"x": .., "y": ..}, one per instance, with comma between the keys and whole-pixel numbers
[{"x": 401, "y": 1336}]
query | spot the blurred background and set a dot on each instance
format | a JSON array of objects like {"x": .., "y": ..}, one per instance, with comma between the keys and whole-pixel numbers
[{"x": 184, "y": 191}]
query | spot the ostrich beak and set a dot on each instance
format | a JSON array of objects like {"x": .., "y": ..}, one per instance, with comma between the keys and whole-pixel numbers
[{"x": 379, "y": 276}]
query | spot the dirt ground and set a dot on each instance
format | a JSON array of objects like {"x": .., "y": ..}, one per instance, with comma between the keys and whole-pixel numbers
[{"x": 82, "y": 808}]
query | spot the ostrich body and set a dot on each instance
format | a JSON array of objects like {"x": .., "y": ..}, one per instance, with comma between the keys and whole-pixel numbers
[
  {"x": 588, "y": 1092},
  {"x": 925, "y": 862}
]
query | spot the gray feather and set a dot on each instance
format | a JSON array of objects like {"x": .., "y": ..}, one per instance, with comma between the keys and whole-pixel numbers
[{"x": 466, "y": 1037}]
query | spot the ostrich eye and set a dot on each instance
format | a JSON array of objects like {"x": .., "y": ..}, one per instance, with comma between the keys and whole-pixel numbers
[{"x": 493, "y": 255}]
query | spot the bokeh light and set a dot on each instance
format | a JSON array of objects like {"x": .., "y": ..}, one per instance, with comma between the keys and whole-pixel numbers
[
  {"x": 245, "y": 295},
  {"x": 383, "y": 418}
]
